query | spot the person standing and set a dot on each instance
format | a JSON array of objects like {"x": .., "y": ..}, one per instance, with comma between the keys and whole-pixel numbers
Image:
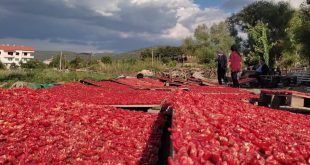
[
  {"x": 221, "y": 66},
  {"x": 235, "y": 65}
]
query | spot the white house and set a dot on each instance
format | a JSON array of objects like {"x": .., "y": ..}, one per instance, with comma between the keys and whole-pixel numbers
[{"x": 10, "y": 54}]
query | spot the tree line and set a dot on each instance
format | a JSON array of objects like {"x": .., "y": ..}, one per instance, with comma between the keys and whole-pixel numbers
[
  {"x": 276, "y": 32},
  {"x": 273, "y": 31},
  {"x": 59, "y": 62}
]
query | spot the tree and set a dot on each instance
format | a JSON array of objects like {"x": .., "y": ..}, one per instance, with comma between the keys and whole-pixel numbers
[
  {"x": 164, "y": 53},
  {"x": 188, "y": 46},
  {"x": 206, "y": 55},
  {"x": 202, "y": 35},
  {"x": 231, "y": 23},
  {"x": 207, "y": 40},
  {"x": 260, "y": 35},
  {"x": 289, "y": 60},
  {"x": 106, "y": 60},
  {"x": 56, "y": 62},
  {"x": 275, "y": 15},
  {"x": 33, "y": 64},
  {"x": 298, "y": 46},
  {"x": 303, "y": 32},
  {"x": 220, "y": 37},
  {"x": 77, "y": 62},
  {"x": 146, "y": 53},
  {"x": 168, "y": 52}
]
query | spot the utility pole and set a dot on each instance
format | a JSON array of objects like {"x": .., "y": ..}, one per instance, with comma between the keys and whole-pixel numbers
[
  {"x": 60, "y": 60},
  {"x": 152, "y": 56},
  {"x": 91, "y": 53},
  {"x": 64, "y": 58}
]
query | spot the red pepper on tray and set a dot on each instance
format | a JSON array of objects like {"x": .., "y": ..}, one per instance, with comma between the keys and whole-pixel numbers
[
  {"x": 230, "y": 131},
  {"x": 41, "y": 128}
]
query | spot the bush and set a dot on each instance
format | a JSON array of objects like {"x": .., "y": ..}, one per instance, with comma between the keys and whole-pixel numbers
[
  {"x": 172, "y": 63},
  {"x": 205, "y": 55},
  {"x": 56, "y": 62},
  {"x": 78, "y": 62},
  {"x": 2, "y": 66},
  {"x": 106, "y": 60},
  {"x": 13, "y": 66},
  {"x": 33, "y": 64},
  {"x": 289, "y": 60}
]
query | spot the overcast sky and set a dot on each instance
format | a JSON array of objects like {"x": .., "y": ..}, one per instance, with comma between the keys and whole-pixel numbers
[{"x": 108, "y": 25}]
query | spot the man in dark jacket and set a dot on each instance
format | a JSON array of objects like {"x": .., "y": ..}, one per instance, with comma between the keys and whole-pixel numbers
[{"x": 221, "y": 66}]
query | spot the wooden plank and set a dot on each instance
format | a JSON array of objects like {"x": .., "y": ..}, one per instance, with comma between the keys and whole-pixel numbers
[
  {"x": 153, "y": 111},
  {"x": 297, "y": 101},
  {"x": 277, "y": 94},
  {"x": 301, "y": 95},
  {"x": 136, "y": 106},
  {"x": 296, "y": 109},
  {"x": 215, "y": 93},
  {"x": 207, "y": 83},
  {"x": 167, "y": 89},
  {"x": 115, "y": 81}
]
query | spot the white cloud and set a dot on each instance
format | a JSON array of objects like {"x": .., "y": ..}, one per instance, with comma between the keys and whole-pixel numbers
[
  {"x": 178, "y": 32},
  {"x": 105, "y": 24}
]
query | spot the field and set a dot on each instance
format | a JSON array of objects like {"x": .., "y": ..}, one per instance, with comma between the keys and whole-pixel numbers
[
  {"x": 75, "y": 123},
  {"x": 48, "y": 76}
]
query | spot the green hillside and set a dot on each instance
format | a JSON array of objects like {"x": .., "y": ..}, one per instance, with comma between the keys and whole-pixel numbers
[{"x": 44, "y": 55}]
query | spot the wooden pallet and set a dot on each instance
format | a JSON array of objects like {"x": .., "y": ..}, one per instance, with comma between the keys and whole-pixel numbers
[
  {"x": 275, "y": 100},
  {"x": 152, "y": 108},
  {"x": 297, "y": 100}
]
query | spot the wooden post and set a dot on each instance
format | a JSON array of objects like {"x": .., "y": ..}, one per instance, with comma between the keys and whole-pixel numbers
[
  {"x": 90, "y": 56},
  {"x": 60, "y": 60},
  {"x": 152, "y": 57}
]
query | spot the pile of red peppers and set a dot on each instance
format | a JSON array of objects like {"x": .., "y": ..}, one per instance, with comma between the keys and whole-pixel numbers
[
  {"x": 214, "y": 130},
  {"x": 73, "y": 124},
  {"x": 38, "y": 128}
]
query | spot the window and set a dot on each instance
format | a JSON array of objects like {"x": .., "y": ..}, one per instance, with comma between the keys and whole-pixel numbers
[
  {"x": 10, "y": 53},
  {"x": 25, "y": 54},
  {"x": 10, "y": 59},
  {"x": 17, "y": 53},
  {"x": 16, "y": 59}
]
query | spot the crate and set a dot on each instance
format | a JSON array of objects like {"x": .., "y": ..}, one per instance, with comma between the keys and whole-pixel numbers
[
  {"x": 299, "y": 101},
  {"x": 289, "y": 101}
]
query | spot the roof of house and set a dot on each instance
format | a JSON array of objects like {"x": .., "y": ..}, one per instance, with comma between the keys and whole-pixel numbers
[{"x": 16, "y": 47}]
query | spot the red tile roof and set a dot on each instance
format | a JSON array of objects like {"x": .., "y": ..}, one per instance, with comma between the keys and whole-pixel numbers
[{"x": 15, "y": 47}]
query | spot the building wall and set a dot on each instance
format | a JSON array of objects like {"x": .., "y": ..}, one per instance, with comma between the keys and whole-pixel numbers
[{"x": 8, "y": 58}]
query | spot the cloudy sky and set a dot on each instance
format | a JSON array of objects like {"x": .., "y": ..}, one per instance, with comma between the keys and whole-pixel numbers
[{"x": 108, "y": 25}]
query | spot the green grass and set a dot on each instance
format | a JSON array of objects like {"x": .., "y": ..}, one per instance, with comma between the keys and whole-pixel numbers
[
  {"x": 120, "y": 67},
  {"x": 48, "y": 76},
  {"x": 100, "y": 72}
]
